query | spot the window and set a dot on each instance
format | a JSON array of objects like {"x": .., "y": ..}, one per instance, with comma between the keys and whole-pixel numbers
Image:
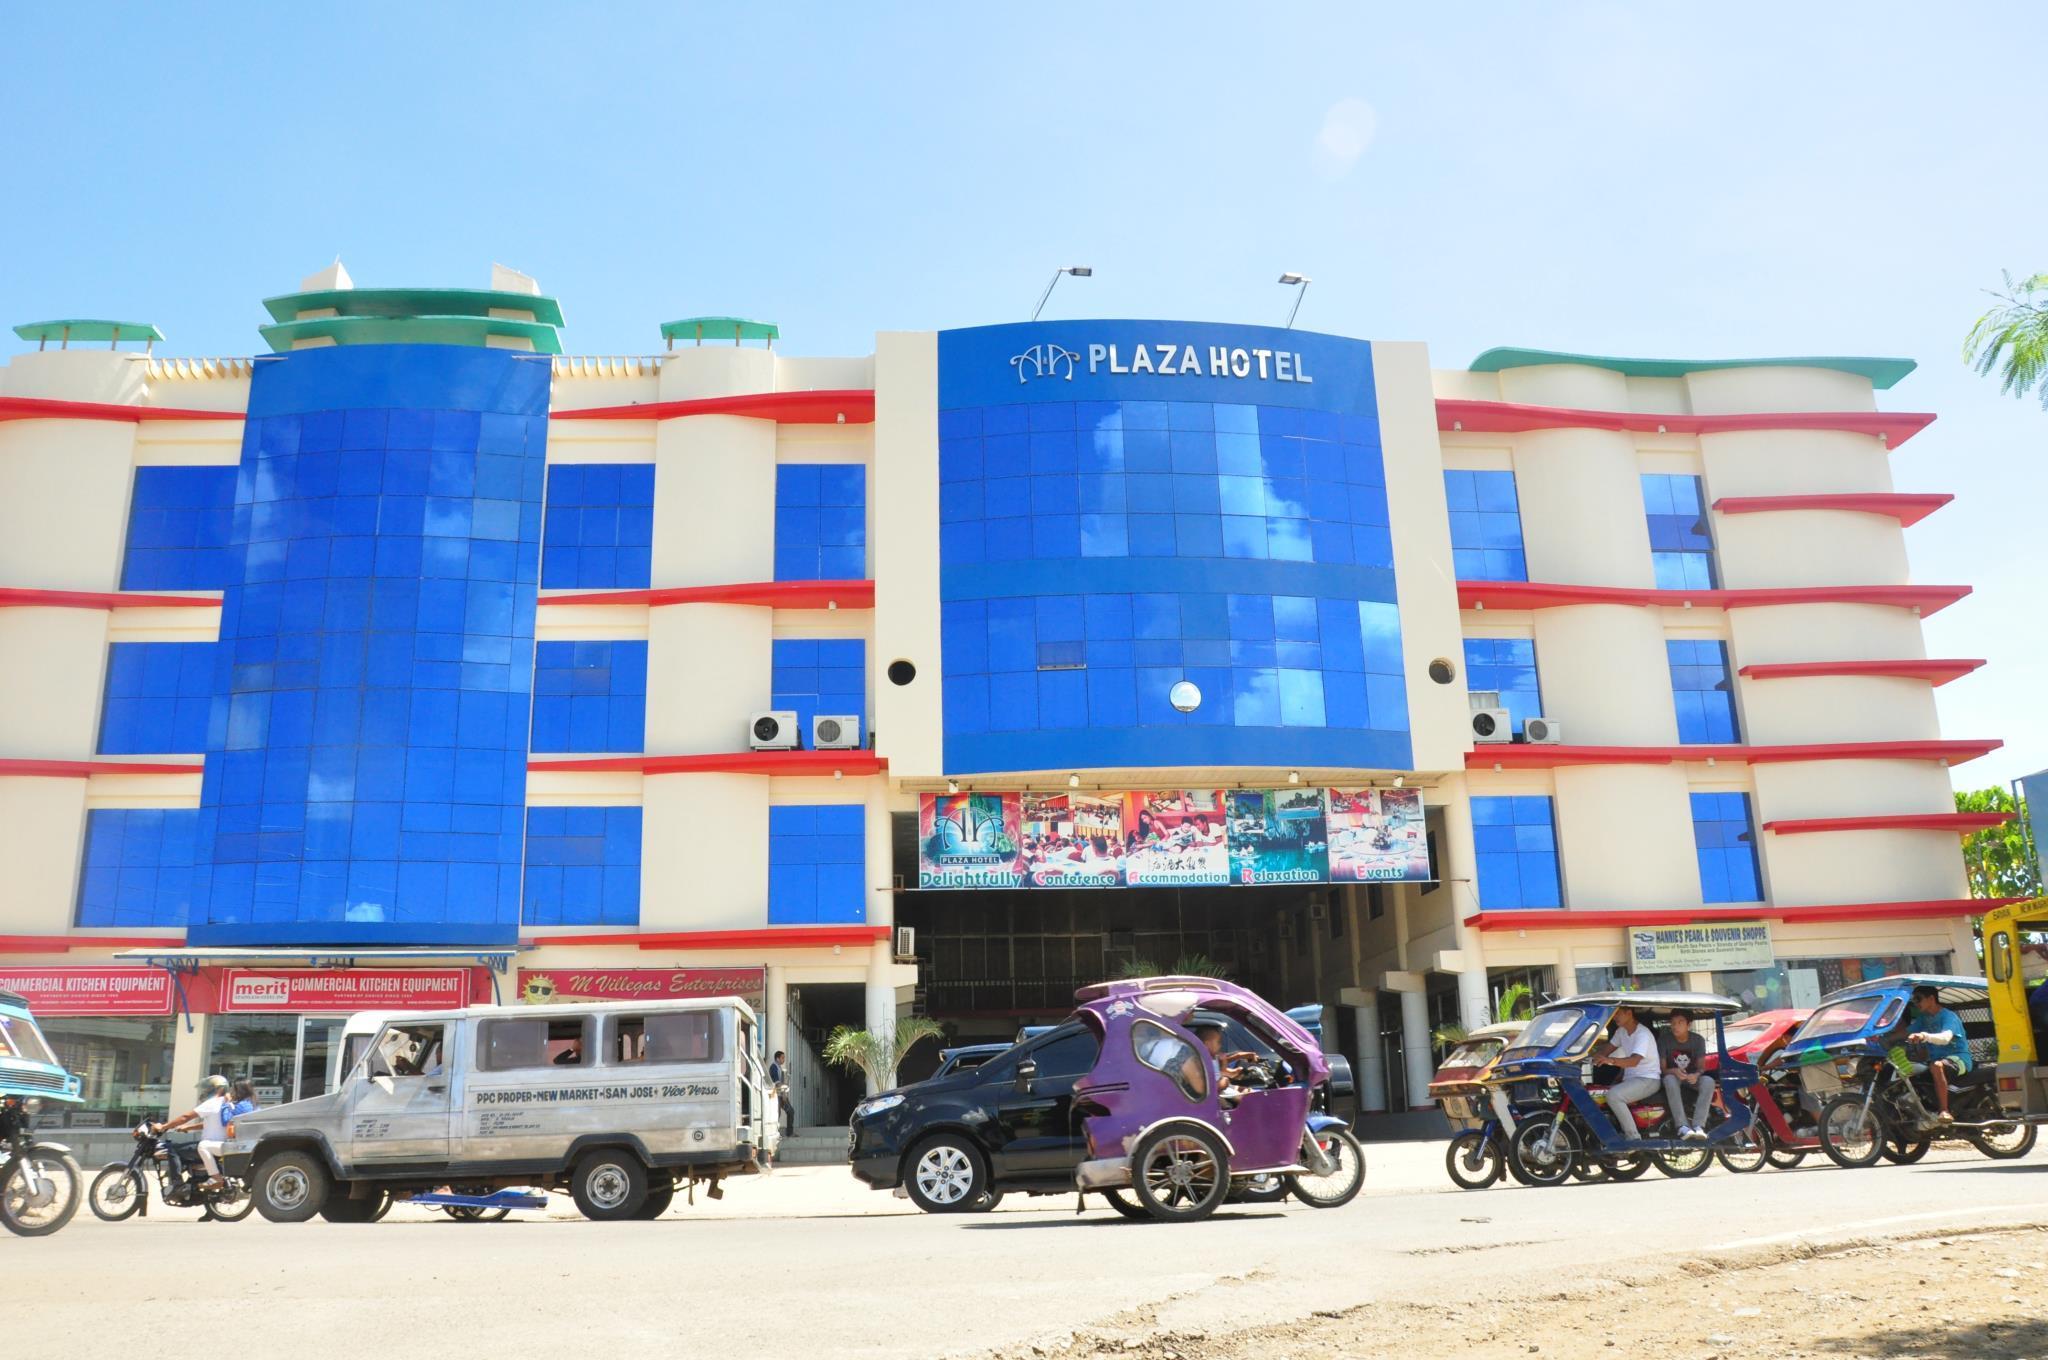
[
  {"x": 666, "y": 1037},
  {"x": 1516, "y": 840},
  {"x": 582, "y": 866},
  {"x": 1066, "y": 1056},
  {"x": 1681, "y": 545},
  {"x": 138, "y": 866},
  {"x": 2001, "y": 956},
  {"x": 817, "y": 864},
  {"x": 1725, "y": 839},
  {"x": 159, "y": 697},
  {"x": 410, "y": 1050},
  {"x": 1703, "y": 691},
  {"x": 821, "y": 522},
  {"x": 1507, "y": 666},
  {"x": 1160, "y": 1049},
  {"x": 1486, "y": 526},
  {"x": 180, "y": 522},
  {"x": 825, "y": 676},
  {"x": 598, "y": 532},
  {"x": 590, "y": 696},
  {"x": 507, "y": 1045},
  {"x": 19, "y": 1039}
]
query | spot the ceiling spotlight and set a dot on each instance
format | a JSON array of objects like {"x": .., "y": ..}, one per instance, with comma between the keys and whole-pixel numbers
[
  {"x": 1073, "y": 781},
  {"x": 1294, "y": 776},
  {"x": 1399, "y": 781},
  {"x": 952, "y": 786}
]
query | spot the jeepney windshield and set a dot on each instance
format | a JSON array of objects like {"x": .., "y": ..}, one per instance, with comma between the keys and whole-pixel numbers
[
  {"x": 1549, "y": 1029},
  {"x": 19, "y": 1038},
  {"x": 1841, "y": 1018}
]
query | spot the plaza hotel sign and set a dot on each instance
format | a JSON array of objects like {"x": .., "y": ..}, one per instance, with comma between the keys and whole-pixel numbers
[{"x": 1164, "y": 358}]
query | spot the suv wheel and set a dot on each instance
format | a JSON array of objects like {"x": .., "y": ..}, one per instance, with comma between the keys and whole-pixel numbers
[
  {"x": 291, "y": 1187},
  {"x": 609, "y": 1185},
  {"x": 947, "y": 1175}
]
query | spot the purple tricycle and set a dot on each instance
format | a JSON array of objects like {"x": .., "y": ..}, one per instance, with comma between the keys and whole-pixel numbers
[{"x": 1178, "y": 1119}]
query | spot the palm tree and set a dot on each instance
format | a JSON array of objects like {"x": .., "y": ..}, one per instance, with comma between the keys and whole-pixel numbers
[
  {"x": 1187, "y": 965},
  {"x": 877, "y": 1055},
  {"x": 2013, "y": 337},
  {"x": 1517, "y": 1002}
]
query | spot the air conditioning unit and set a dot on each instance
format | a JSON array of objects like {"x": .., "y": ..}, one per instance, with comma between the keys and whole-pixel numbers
[
  {"x": 835, "y": 732},
  {"x": 906, "y": 944},
  {"x": 772, "y": 731},
  {"x": 1542, "y": 731},
  {"x": 1492, "y": 725}
]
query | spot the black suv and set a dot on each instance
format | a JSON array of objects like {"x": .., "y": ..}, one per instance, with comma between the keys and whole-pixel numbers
[{"x": 959, "y": 1141}]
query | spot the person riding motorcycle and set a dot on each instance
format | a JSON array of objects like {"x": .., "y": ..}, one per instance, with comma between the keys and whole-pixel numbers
[
  {"x": 1936, "y": 1032},
  {"x": 209, "y": 1116}
]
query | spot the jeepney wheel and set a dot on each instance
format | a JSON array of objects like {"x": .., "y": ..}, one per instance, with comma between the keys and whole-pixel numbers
[
  {"x": 659, "y": 1197},
  {"x": 1121, "y": 1201},
  {"x": 1180, "y": 1173},
  {"x": 1852, "y": 1136},
  {"x": 946, "y": 1175},
  {"x": 1545, "y": 1151},
  {"x": 1903, "y": 1151},
  {"x": 291, "y": 1187},
  {"x": 2004, "y": 1142},
  {"x": 609, "y": 1185},
  {"x": 1473, "y": 1160},
  {"x": 1628, "y": 1167}
]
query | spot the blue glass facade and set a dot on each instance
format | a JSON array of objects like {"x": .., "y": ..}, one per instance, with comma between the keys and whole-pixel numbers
[
  {"x": 821, "y": 522},
  {"x": 828, "y": 675},
  {"x": 366, "y": 772},
  {"x": 1486, "y": 526},
  {"x": 1681, "y": 544},
  {"x": 1725, "y": 838},
  {"x": 600, "y": 527},
  {"x": 582, "y": 866},
  {"x": 1516, "y": 843},
  {"x": 817, "y": 865},
  {"x": 1506, "y": 666},
  {"x": 138, "y": 866},
  {"x": 159, "y": 698},
  {"x": 1124, "y": 505},
  {"x": 1703, "y": 691},
  {"x": 590, "y": 696},
  {"x": 180, "y": 523}
]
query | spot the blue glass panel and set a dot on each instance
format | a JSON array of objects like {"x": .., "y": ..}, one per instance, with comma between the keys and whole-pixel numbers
[
  {"x": 598, "y": 519},
  {"x": 821, "y": 519},
  {"x": 829, "y": 675},
  {"x": 1724, "y": 837},
  {"x": 1516, "y": 847},
  {"x": 1508, "y": 666},
  {"x": 1703, "y": 691},
  {"x": 589, "y": 696},
  {"x": 1486, "y": 523},
  {"x": 582, "y": 867},
  {"x": 138, "y": 867},
  {"x": 817, "y": 864},
  {"x": 180, "y": 527}
]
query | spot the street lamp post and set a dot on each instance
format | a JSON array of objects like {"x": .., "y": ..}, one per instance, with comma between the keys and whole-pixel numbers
[
  {"x": 1079, "y": 271},
  {"x": 1298, "y": 281}
]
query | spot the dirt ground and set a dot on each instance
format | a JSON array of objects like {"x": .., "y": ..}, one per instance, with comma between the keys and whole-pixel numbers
[{"x": 1947, "y": 1297}]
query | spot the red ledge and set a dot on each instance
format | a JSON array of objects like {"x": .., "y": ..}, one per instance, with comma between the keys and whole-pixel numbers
[
  {"x": 43, "y": 408},
  {"x": 832, "y": 406},
  {"x": 14, "y": 597},
  {"x": 738, "y": 762},
  {"x": 1565, "y": 919},
  {"x": 1935, "y": 672},
  {"x": 767, "y": 594},
  {"x": 85, "y": 769},
  {"x": 1963, "y": 822},
  {"x": 1526, "y": 756},
  {"x": 1907, "y": 508},
  {"x": 58, "y": 944},
  {"x": 772, "y": 937},
  {"x": 1538, "y": 595},
  {"x": 1507, "y": 417}
]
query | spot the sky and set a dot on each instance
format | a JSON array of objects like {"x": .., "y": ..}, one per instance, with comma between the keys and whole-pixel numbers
[{"x": 1665, "y": 181}]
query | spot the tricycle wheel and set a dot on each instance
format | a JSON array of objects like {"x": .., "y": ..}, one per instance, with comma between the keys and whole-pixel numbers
[
  {"x": 1784, "y": 1158},
  {"x": 2004, "y": 1142},
  {"x": 1685, "y": 1163},
  {"x": 1339, "y": 1185},
  {"x": 1546, "y": 1151},
  {"x": 1589, "y": 1170},
  {"x": 1473, "y": 1160},
  {"x": 1121, "y": 1201},
  {"x": 1747, "y": 1153},
  {"x": 1851, "y": 1135},
  {"x": 1180, "y": 1173},
  {"x": 1628, "y": 1167},
  {"x": 233, "y": 1203},
  {"x": 1903, "y": 1151},
  {"x": 1258, "y": 1190},
  {"x": 118, "y": 1192},
  {"x": 40, "y": 1193},
  {"x": 947, "y": 1174}
]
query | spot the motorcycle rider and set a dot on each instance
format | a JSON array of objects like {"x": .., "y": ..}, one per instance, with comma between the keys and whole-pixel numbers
[
  {"x": 1938, "y": 1032},
  {"x": 209, "y": 1116}
]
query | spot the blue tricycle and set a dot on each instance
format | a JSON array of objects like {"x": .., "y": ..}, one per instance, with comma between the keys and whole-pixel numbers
[{"x": 41, "y": 1186}]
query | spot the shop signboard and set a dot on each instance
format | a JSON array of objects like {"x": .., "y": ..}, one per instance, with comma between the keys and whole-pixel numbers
[
  {"x": 1723, "y": 946},
  {"x": 261, "y": 991},
  {"x": 90, "y": 991},
  {"x": 540, "y": 986},
  {"x": 1181, "y": 838}
]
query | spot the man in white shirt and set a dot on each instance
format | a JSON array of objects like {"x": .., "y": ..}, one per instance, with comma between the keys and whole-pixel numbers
[
  {"x": 1633, "y": 1049},
  {"x": 209, "y": 1116}
]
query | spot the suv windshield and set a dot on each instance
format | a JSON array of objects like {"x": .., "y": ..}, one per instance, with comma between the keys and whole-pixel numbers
[
  {"x": 1549, "y": 1029},
  {"x": 20, "y": 1038}
]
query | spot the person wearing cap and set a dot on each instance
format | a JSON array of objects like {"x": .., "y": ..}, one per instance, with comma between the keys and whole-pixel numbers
[{"x": 209, "y": 1116}]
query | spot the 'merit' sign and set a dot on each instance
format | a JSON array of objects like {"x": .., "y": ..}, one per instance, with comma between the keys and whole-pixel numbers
[{"x": 263, "y": 990}]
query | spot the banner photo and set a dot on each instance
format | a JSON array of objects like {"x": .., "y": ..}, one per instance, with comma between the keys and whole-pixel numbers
[
  {"x": 247, "y": 991},
  {"x": 969, "y": 840},
  {"x": 1279, "y": 836},
  {"x": 1072, "y": 840},
  {"x": 90, "y": 991},
  {"x": 1176, "y": 840},
  {"x": 1378, "y": 836},
  {"x": 540, "y": 986}
]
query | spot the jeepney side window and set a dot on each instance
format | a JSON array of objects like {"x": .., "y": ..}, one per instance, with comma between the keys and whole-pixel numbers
[
  {"x": 506, "y": 1045},
  {"x": 2001, "y": 956},
  {"x": 665, "y": 1037},
  {"x": 1164, "y": 1051},
  {"x": 410, "y": 1051}
]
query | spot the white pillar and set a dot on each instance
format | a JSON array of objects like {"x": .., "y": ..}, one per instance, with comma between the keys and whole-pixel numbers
[
  {"x": 1461, "y": 871},
  {"x": 1415, "y": 1046},
  {"x": 881, "y": 997},
  {"x": 775, "y": 1024},
  {"x": 1371, "y": 1070},
  {"x": 188, "y": 1053}
]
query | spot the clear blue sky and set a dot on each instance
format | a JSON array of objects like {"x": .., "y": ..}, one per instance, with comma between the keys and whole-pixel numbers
[{"x": 1625, "y": 179}]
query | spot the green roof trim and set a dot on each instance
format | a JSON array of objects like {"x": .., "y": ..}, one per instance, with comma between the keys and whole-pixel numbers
[
  {"x": 411, "y": 330},
  {"x": 393, "y": 302},
  {"x": 63, "y": 331},
  {"x": 1882, "y": 372},
  {"x": 734, "y": 328}
]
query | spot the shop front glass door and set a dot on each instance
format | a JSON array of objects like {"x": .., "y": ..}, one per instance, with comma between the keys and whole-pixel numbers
[
  {"x": 262, "y": 1048},
  {"x": 319, "y": 1054}
]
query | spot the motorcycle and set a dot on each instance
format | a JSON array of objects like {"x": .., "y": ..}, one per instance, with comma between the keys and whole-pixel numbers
[
  {"x": 121, "y": 1189},
  {"x": 1892, "y": 1114},
  {"x": 38, "y": 1181}
]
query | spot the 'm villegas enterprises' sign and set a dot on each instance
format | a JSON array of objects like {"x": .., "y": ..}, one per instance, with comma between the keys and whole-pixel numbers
[{"x": 1722, "y": 946}]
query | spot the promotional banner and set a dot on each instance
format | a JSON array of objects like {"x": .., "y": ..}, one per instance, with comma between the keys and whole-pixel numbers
[
  {"x": 539, "y": 986},
  {"x": 1724, "y": 946},
  {"x": 246, "y": 991},
  {"x": 90, "y": 991},
  {"x": 1186, "y": 838},
  {"x": 1378, "y": 836},
  {"x": 969, "y": 840}
]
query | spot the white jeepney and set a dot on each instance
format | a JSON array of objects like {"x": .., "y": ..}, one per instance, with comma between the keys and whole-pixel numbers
[{"x": 618, "y": 1103}]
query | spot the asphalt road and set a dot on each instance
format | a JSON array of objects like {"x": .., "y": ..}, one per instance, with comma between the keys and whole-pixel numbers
[{"x": 807, "y": 1263}]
